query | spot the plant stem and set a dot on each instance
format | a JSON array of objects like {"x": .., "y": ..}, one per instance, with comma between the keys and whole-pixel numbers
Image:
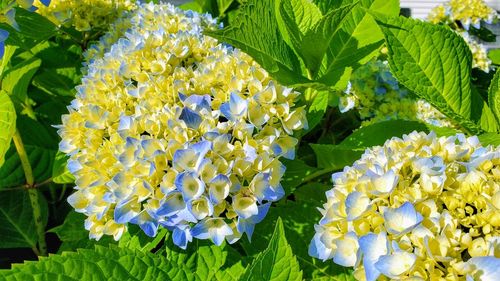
[
  {"x": 32, "y": 192},
  {"x": 317, "y": 174}
]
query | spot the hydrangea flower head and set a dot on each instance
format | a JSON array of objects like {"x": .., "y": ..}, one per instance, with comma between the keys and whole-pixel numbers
[
  {"x": 378, "y": 96},
  {"x": 467, "y": 13},
  {"x": 419, "y": 207},
  {"x": 85, "y": 15},
  {"x": 173, "y": 129}
]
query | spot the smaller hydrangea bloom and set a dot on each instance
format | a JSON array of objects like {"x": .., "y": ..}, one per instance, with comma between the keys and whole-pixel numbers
[
  {"x": 378, "y": 96},
  {"x": 467, "y": 13},
  {"x": 172, "y": 129},
  {"x": 84, "y": 15},
  {"x": 416, "y": 208}
]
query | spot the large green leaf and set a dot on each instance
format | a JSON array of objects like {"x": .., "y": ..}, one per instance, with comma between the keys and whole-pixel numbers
[
  {"x": 435, "y": 63},
  {"x": 494, "y": 95},
  {"x": 18, "y": 78},
  {"x": 255, "y": 31},
  {"x": 122, "y": 263},
  {"x": 296, "y": 172},
  {"x": 317, "y": 40},
  {"x": 101, "y": 263},
  {"x": 490, "y": 139},
  {"x": 17, "y": 224},
  {"x": 344, "y": 39},
  {"x": 295, "y": 18},
  {"x": 378, "y": 133},
  {"x": 275, "y": 263},
  {"x": 12, "y": 174},
  {"x": 299, "y": 216},
  {"x": 32, "y": 25},
  {"x": 7, "y": 124},
  {"x": 207, "y": 261},
  {"x": 335, "y": 157},
  {"x": 41, "y": 144}
]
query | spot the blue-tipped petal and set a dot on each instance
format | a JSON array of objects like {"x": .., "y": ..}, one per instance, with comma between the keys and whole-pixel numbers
[
  {"x": 402, "y": 220},
  {"x": 146, "y": 223},
  {"x": 200, "y": 208},
  {"x": 181, "y": 236},
  {"x": 247, "y": 225},
  {"x": 4, "y": 34},
  {"x": 219, "y": 188},
  {"x": 199, "y": 102},
  {"x": 126, "y": 211},
  {"x": 245, "y": 206},
  {"x": 190, "y": 185},
  {"x": 201, "y": 148},
  {"x": 45, "y": 2},
  {"x": 357, "y": 204},
  {"x": 238, "y": 105},
  {"x": 396, "y": 264},
  {"x": 346, "y": 253},
  {"x": 484, "y": 268},
  {"x": 10, "y": 17},
  {"x": 173, "y": 204},
  {"x": 191, "y": 118},
  {"x": 373, "y": 246},
  {"x": 214, "y": 229},
  {"x": 317, "y": 249}
]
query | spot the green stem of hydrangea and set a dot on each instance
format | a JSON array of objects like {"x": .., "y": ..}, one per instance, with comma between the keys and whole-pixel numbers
[
  {"x": 317, "y": 174},
  {"x": 32, "y": 192}
]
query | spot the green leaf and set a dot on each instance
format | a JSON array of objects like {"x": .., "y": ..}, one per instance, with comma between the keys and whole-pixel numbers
[
  {"x": 275, "y": 263},
  {"x": 7, "y": 124},
  {"x": 295, "y": 18},
  {"x": 255, "y": 31},
  {"x": 206, "y": 260},
  {"x": 494, "y": 95},
  {"x": 435, "y": 63},
  {"x": 41, "y": 159},
  {"x": 299, "y": 217},
  {"x": 318, "y": 39},
  {"x": 335, "y": 157},
  {"x": 18, "y": 78},
  {"x": 296, "y": 171},
  {"x": 17, "y": 224},
  {"x": 494, "y": 56},
  {"x": 489, "y": 139},
  {"x": 72, "y": 229},
  {"x": 60, "y": 172},
  {"x": 33, "y": 25},
  {"x": 193, "y": 6},
  {"x": 344, "y": 39},
  {"x": 101, "y": 263},
  {"x": 223, "y": 6},
  {"x": 318, "y": 108},
  {"x": 378, "y": 133}
]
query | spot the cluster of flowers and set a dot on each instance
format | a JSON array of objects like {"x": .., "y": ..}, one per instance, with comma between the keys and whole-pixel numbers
[
  {"x": 468, "y": 13},
  {"x": 85, "y": 15},
  {"x": 421, "y": 207},
  {"x": 172, "y": 129},
  {"x": 378, "y": 96},
  {"x": 8, "y": 16}
]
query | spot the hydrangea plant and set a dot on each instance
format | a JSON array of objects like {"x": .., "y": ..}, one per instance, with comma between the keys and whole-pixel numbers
[{"x": 172, "y": 129}]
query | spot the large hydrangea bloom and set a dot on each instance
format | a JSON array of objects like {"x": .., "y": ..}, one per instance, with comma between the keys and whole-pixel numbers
[
  {"x": 378, "y": 96},
  {"x": 172, "y": 129},
  {"x": 85, "y": 15},
  {"x": 422, "y": 207},
  {"x": 468, "y": 13}
]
